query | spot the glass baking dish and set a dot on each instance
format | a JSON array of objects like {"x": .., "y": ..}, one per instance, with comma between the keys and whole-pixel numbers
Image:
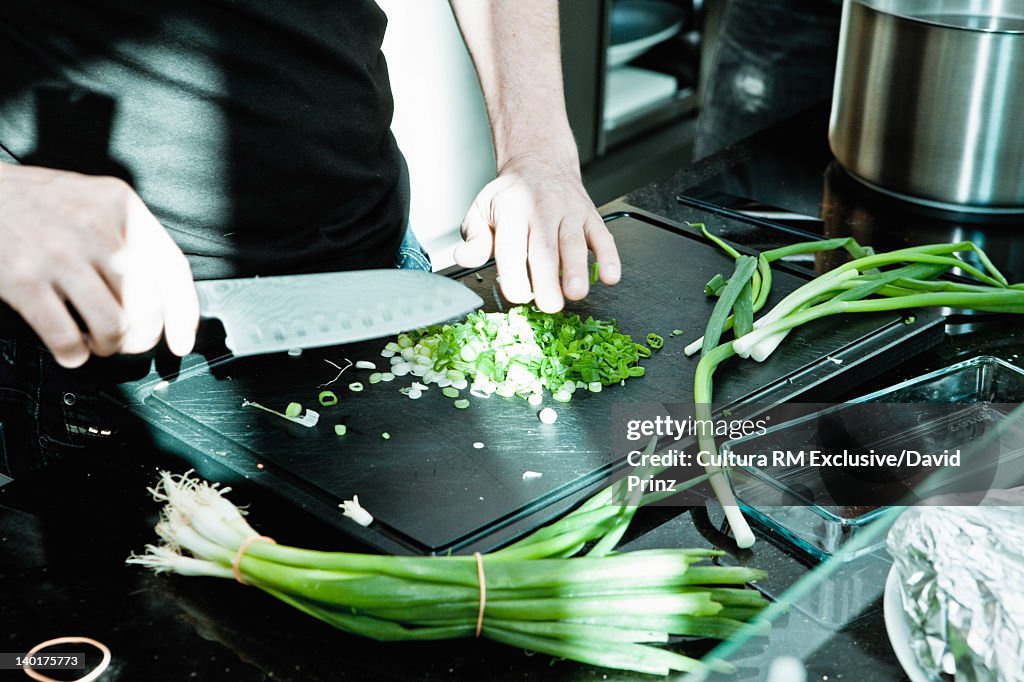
[{"x": 817, "y": 504}]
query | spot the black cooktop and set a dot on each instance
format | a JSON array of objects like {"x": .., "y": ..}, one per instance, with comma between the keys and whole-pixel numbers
[{"x": 789, "y": 179}]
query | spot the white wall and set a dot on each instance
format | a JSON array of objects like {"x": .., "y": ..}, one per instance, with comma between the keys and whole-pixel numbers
[{"x": 440, "y": 121}]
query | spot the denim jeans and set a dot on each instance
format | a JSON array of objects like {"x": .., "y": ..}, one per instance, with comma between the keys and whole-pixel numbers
[
  {"x": 49, "y": 413},
  {"x": 411, "y": 254}
]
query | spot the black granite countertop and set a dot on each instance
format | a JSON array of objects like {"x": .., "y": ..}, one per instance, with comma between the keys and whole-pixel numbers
[{"x": 65, "y": 532}]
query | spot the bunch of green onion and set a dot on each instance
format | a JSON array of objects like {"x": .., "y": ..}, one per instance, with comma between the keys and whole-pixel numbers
[
  {"x": 869, "y": 282},
  {"x": 521, "y": 352},
  {"x": 543, "y": 593}
]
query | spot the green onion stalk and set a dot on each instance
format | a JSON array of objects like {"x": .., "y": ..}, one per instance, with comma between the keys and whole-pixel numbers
[
  {"x": 562, "y": 590},
  {"x": 868, "y": 283}
]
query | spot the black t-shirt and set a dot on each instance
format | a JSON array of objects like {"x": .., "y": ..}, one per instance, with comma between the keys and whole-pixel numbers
[{"x": 257, "y": 131}]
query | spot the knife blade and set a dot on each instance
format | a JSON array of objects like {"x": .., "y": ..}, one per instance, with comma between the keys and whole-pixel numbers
[{"x": 279, "y": 313}]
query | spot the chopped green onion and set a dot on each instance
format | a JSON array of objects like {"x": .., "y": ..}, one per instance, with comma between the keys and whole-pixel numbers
[
  {"x": 520, "y": 353},
  {"x": 656, "y": 342},
  {"x": 386, "y": 435},
  {"x": 461, "y": 404},
  {"x": 677, "y": 332},
  {"x": 340, "y": 429},
  {"x": 595, "y": 272},
  {"x": 307, "y": 418},
  {"x": 355, "y": 386},
  {"x": 450, "y": 392},
  {"x": 714, "y": 285},
  {"x": 353, "y": 510},
  {"x": 375, "y": 378},
  {"x": 326, "y": 398},
  {"x": 293, "y": 410}
]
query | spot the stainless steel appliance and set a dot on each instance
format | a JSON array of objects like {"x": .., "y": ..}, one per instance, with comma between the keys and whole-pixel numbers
[{"x": 929, "y": 100}]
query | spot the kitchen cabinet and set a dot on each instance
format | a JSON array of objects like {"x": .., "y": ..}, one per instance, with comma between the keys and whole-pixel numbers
[{"x": 630, "y": 67}]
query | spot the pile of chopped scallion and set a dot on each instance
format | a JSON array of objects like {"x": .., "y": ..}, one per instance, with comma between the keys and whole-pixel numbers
[
  {"x": 561, "y": 590},
  {"x": 521, "y": 352}
]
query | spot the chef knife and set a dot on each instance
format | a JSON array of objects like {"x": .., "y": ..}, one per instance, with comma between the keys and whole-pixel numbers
[{"x": 271, "y": 314}]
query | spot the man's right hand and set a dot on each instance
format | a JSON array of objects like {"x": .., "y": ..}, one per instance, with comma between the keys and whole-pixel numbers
[{"x": 88, "y": 243}]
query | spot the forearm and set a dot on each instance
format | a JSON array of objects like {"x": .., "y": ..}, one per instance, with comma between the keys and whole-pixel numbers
[
  {"x": 535, "y": 216},
  {"x": 516, "y": 50}
]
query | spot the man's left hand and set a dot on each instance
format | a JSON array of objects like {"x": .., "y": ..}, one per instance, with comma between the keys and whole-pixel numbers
[{"x": 538, "y": 222}]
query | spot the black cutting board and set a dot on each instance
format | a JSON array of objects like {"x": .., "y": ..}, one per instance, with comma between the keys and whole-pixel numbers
[{"x": 429, "y": 489}]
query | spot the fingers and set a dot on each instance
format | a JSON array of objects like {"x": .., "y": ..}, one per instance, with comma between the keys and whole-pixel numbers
[
  {"x": 142, "y": 306},
  {"x": 573, "y": 251},
  {"x": 96, "y": 305},
  {"x": 543, "y": 260},
  {"x": 603, "y": 245},
  {"x": 181, "y": 305},
  {"x": 49, "y": 317},
  {"x": 478, "y": 243},
  {"x": 158, "y": 295},
  {"x": 510, "y": 256}
]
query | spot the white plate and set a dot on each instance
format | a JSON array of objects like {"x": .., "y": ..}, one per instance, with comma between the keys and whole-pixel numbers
[
  {"x": 897, "y": 625},
  {"x": 626, "y": 52}
]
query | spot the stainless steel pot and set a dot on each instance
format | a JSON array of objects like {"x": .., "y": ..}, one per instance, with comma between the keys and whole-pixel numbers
[{"x": 929, "y": 100}]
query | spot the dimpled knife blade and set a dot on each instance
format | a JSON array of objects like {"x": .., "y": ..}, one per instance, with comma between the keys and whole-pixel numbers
[{"x": 271, "y": 314}]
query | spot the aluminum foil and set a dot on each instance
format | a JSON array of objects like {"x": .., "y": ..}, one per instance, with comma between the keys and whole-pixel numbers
[{"x": 962, "y": 574}]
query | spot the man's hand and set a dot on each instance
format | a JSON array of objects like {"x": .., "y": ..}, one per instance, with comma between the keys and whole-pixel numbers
[
  {"x": 541, "y": 217},
  {"x": 538, "y": 221},
  {"x": 78, "y": 245}
]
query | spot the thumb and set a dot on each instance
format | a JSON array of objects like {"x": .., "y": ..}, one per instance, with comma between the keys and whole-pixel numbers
[{"x": 478, "y": 240}]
